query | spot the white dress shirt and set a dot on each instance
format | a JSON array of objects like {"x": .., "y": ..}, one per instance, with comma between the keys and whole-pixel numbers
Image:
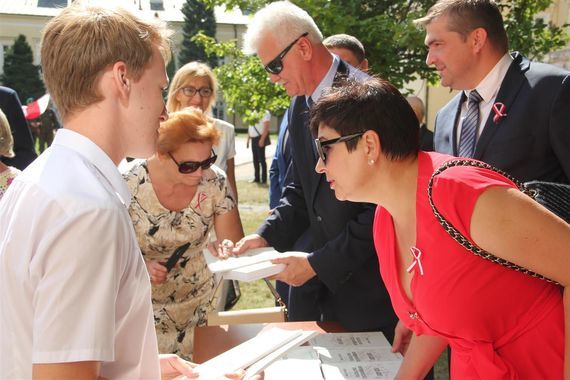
[
  {"x": 488, "y": 88},
  {"x": 73, "y": 284}
]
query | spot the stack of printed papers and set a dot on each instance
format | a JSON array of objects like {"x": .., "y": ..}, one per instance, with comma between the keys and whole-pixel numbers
[{"x": 253, "y": 265}]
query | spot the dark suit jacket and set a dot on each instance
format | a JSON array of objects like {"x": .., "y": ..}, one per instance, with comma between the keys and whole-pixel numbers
[
  {"x": 23, "y": 142},
  {"x": 279, "y": 173},
  {"x": 426, "y": 138},
  {"x": 344, "y": 257},
  {"x": 533, "y": 141}
]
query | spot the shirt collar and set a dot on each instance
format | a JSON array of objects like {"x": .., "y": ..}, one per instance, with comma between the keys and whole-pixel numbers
[
  {"x": 327, "y": 81},
  {"x": 97, "y": 157},
  {"x": 489, "y": 86}
]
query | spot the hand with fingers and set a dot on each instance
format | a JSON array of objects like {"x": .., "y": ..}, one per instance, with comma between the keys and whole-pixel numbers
[
  {"x": 402, "y": 337},
  {"x": 223, "y": 249},
  {"x": 156, "y": 271},
  {"x": 249, "y": 242},
  {"x": 298, "y": 270}
]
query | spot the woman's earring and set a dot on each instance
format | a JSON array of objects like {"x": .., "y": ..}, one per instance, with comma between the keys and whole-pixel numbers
[{"x": 370, "y": 162}]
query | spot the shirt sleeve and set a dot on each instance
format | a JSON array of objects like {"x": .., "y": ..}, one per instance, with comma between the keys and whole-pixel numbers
[
  {"x": 223, "y": 197},
  {"x": 456, "y": 190},
  {"x": 231, "y": 143},
  {"x": 76, "y": 272}
]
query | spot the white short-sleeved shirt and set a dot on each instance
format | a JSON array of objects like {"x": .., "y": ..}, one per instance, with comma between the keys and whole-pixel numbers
[
  {"x": 257, "y": 130},
  {"x": 73, "y": 284},
  {"x": 226, "y": 148}
]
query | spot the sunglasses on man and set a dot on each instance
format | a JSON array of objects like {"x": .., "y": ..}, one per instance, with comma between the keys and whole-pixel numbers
[
  {"x": 322, "y": 145},
  {"x": 190, "y": 91},
  {"x": 188, "y": 167},
  {"x": 275, "y": 66}
]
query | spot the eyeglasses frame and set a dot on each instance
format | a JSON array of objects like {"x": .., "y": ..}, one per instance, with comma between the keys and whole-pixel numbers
[
  {"x": 206, "y": 164},
  {"x": 281, "y": 55},
  {"x": 320, "y": 143},
  {"x": 197, "y": 91}
]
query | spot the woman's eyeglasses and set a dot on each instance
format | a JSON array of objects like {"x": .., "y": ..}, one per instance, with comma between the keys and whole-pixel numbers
[
  {"x": 190, "y": 91},
  {"x": 188, "y": 167},
  {"x": 275, "y": 66},
  {"x": 322, "y": 146}
]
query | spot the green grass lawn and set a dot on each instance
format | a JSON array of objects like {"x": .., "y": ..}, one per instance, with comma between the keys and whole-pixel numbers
[{"x": 253, "y": 208}]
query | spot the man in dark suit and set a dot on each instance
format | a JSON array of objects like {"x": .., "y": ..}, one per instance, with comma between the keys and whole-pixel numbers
[
  {"x": 23, "y": 142},
  {"x": 340, "y": 274},
  {"x": 524, "y": 108}
]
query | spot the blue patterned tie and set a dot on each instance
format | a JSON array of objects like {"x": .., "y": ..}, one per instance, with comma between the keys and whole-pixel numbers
[{"x": 468, "y": 137}]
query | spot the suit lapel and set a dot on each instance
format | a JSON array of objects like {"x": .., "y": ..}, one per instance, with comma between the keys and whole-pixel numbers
[
  {"x": 341, "y": 72},
  {"x": 507, "y": 94}
]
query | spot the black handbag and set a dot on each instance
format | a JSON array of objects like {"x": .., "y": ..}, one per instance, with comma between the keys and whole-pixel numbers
[
  {"x": 553, "y": 196},
  {"x": 555, "y": 200}
]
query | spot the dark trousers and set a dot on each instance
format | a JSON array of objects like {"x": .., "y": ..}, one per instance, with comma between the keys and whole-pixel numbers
[{"x": 259, "y": 162}]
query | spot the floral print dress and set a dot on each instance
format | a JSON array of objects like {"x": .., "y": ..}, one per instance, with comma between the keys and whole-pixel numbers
[
  {"x": 186, "y": 297},
  {"x": 6, "y": 178}
]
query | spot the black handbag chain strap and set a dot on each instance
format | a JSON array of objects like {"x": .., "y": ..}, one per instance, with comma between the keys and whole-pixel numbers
[{"x": 462, "y": 240}]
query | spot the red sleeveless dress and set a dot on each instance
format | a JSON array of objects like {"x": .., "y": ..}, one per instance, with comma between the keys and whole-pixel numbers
[{"x": 500, "y": 324}]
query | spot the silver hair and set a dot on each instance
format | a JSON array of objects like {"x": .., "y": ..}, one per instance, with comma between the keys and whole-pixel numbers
[
  {"x": 284, "y": 21},
  {"x": 6, "y": 140}
]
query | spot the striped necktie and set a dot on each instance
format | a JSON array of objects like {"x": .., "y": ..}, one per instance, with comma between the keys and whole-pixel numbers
[{"x": 469, "y": 127}]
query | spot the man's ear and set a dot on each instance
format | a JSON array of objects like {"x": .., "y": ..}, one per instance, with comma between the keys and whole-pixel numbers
[
  {"x": 305, "y": 48},
  {"x": 121, "y": 78},
  {"x": 478, "y": 39}
]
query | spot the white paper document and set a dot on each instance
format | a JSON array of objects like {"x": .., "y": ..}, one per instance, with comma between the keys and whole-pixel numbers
[
  {"x": 251, "y": 352},
  {"x": 370, "y": 370},
  {"x": 253, "y": 265},
  {"x": 351, "y": 340},
  {"x": 357, "y": 355}
]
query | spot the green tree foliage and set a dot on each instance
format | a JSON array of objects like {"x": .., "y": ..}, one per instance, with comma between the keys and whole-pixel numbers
[
  {"x": 395, "y": 46},
  {"x": 244, "y": 83},
  {"x": 20, "y": 73},
  {"x": 528, "y": 34},
  {"x": 198, "y": 18}
]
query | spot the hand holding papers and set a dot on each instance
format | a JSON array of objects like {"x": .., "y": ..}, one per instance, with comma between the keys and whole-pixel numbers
[{"x": 252, "y": 265}]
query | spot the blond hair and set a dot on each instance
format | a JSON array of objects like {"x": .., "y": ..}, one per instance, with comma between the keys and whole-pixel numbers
[
  {"x": 189, "y": 71},
  {"x": 6, "y": 139},
  {"x": 187, "y": 125},
  {"x": 79, "y": 43}
]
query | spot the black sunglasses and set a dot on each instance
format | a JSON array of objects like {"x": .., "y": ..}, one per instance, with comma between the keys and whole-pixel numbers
[
  {"x": 275, "y": 66},
  {"x": 205, "y": 92},
  {"x": 188, "y": 167},
  {"x": 321, "y": 145}
]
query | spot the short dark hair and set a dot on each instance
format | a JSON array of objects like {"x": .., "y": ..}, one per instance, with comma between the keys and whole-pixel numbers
[
  {"x": 374, "y": 104},
  {"x": 346, "y": 41},
  {"x": 468, "y": 15}
]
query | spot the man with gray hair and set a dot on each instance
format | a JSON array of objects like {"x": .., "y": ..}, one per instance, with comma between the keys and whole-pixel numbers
[
  {"x": 349, "y": 49},
  {"x": 339, "y": 278}
]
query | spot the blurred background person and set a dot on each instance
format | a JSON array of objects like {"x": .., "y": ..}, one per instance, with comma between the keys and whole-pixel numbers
[
  {"x": 426, "y": 136},
  {"x": 195, "y": 84},
  {"x": 178, "y": 197},
  {"x": 24, "y": 150},
  {"x": 349, "y": 49},
  {"x": 7, "y": 173},
  {"x": 258, "y": 137}
]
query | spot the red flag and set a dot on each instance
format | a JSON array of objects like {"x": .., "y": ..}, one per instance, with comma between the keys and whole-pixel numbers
[{"x": 37, "y": 108}]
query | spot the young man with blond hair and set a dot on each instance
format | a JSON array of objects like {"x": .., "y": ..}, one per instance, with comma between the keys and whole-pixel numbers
[{"x": 74, "y": 291}]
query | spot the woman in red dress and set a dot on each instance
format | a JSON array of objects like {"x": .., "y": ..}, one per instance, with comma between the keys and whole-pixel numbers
[{"x": 500, "y": 323}]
